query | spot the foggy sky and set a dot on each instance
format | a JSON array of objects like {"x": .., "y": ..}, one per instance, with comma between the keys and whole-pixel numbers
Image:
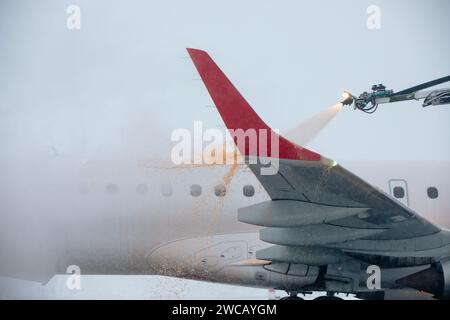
[{"x": 290, "y": 59}]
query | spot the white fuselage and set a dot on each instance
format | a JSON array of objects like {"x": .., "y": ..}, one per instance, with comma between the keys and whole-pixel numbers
[{"x": 115, "y": 217}]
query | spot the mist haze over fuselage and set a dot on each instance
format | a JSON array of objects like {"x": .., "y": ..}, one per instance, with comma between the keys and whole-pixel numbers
[
  {"x": 86, "y": 117},
  {"x": 108, "y": 217}
]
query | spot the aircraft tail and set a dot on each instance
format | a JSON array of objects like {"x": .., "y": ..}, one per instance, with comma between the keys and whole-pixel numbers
[{"x": 238, "y": 114}]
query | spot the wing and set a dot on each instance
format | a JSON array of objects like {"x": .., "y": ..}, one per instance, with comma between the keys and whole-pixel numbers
[{"x": 318, "y": 211}]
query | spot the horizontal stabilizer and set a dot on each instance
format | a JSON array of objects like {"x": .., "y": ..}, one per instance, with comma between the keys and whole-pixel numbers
[
  {"x": 314, "y": 235},
  {"x": 315, "y": 256},
  {"x": 315, "y": 201},
  {"x": 291, "y": 213},
  {"x": 434, "y": 245}
]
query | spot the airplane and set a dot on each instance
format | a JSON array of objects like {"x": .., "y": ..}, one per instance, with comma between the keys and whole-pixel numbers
[{"x": 310, "y": 225}]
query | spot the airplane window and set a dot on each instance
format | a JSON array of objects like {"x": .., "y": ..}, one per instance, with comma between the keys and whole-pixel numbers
[
  {"x": 166, "y": 190},
  {"x": 142, "y": 189},
  {"x": 84, "y": 189},
  {"x": 196, "y": 190},
  {"x": 220, "y": 190},
  {"x": 248, "y": 191},
  {"x": 432, "y": 192},
  {"x": 399, "y": 192},
  {"x": 112, "y": 188}
]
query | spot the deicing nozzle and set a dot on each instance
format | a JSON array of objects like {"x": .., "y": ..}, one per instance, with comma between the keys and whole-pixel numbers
[{"x": 347, "y": 98}]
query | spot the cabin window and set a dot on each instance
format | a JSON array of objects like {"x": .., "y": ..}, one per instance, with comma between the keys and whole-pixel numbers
[
  {"x": 432, "y": 192},
  {"x": 112, "y": 188},
  {"x": 196, "y": 190},
  {"x": 142, "y": 189},
  {"x": 248, "y": 191},
  {"x": 84, "y": 189},
  {"x": 399, "y": 192},
  {"x": 166, "y": 190},
  {"x": 220, "y": 190}
]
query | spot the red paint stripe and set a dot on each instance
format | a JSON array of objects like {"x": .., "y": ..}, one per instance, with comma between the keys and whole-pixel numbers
[{"x": 237, "y": 113}]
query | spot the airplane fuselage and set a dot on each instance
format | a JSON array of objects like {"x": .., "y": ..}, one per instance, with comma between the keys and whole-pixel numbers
[{"x": 117, "y": 217}]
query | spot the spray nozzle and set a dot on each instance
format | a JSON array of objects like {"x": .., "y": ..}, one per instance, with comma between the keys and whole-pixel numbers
[{"x": 347, "y": 98}]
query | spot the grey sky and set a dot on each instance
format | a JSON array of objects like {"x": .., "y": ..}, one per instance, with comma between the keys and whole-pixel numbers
[{"x": 290, "y": 59}]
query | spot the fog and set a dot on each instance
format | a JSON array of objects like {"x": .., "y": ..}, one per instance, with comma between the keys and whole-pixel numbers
[
  {"x": 307, "y": 130},
  {"x": 103, "y": 101}
]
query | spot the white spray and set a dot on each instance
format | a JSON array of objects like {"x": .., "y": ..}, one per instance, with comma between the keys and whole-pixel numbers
[{"x": 308, "y": 129}]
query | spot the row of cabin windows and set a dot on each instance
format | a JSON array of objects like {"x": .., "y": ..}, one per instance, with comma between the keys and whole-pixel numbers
[
  {"x": 166, "y": 190},
  {"x": 399, "y": 192},
  {"x": 219, "y": 190},
  {"x": 248, "y": 190}
]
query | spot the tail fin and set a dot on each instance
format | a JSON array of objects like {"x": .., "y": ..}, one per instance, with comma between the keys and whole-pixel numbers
[{"x": 238, "y": 114}]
